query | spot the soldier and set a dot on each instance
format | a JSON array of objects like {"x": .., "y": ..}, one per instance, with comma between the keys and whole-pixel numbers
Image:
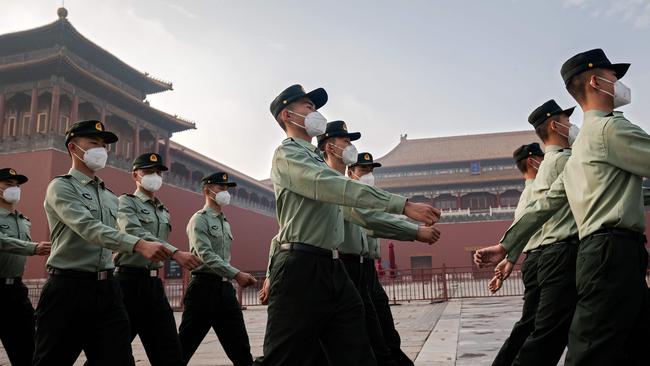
[
  {"x": 143, "y": 215},
  {"x": 312, "y": 301},
  {"x": 81, "y": 307},
  {"x": 528, "y": 159},
  {"x": 338, "y": 150},
  {"x": 602, "y": 183},
  {"x": 16, "y": 311},
  {"x": 210, "y": 299}
]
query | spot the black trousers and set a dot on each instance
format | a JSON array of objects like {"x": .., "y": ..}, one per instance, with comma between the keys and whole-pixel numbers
[
  {"x": 381, "y": 302},
  {"x": 75, "y": 314},
  {"x": 313, "y": 303},
  {"x": 360, "y": 275},
  {"x": 151, "y": 318},
  {"x": 16, "y": 323},
  {"x": 524, "y": 327},
  {"x": 556, "y": 273},
  {"x": 611, "y": 324},
  {"x": 212, "y": 303}
]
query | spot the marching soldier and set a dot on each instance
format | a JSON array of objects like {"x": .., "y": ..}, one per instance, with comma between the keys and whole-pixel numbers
[
  {"x": 143, "y": 215},
  {"x": 528, "y": 159},
  {"x": 16, "y": 311},
  {"x": 210, "y": 300},
  {"x": 81, "y": 307},
  {"x": 339, "y": 151},
  {"x": 312, "y": 301}
]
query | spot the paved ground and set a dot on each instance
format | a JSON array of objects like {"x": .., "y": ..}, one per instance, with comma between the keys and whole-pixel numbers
[{"x": 460, "y": 332}]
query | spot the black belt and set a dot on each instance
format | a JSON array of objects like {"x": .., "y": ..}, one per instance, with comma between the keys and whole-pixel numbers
[
  {"x": 353, "y": 257},
  {"x": 634, "y": 235},
  {"x": 11, "y": 281},
  {"x": 145, "y": 272},
  {"x": 300, "y": 247},
  {"x": 212, "y": 276},
  {"x": 99, "y": 276}
]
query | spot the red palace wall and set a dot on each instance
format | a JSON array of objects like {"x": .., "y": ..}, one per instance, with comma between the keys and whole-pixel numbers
[
  {"x": 252, "y": 231},
  {"x": 458, "y": 240}
]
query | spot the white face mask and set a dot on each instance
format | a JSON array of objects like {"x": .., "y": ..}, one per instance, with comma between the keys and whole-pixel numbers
[
  {"x": 221, "y": 198},
  {"x": 622, "y": 93},
  {"x": 349, "y": 156},
  {"x": 94, "y": 158},
  {"x": 573, "y": 132},
  {"x": 11, "y": 194},
  {"x": 151, "y": 182},
  {"x": 315, "y": 123},
  {"x": 367, "y": 179}
]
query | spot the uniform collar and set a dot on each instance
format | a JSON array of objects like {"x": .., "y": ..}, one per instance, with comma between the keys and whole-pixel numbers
[
  {"x": 211, "y": 211},
  {"x": 529, "y": 182},
  {"x": 306, "y": 144},
  {"x": 144, "y": 198},
  {"x": 553, "y": 148},
  {"x": 83, "y": 178},
  {"x": 594, "y": 113},
  {"x": 4, "y": 212}
]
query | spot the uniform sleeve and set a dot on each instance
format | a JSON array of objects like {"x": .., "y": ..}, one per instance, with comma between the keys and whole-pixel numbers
[
  {"x": 197, "y": 232},
  {"x": 12, "y": 245},
  {"x": 627, "y": 146},
  {"x": 128, "y": 222},
  {"x": 63, "y": 199},
  {"x": 296, "y": 170},
  {"x": 273, "y": 248},
  {"x": 381, "y": 224},
  {"x": 532, "y": 218}
]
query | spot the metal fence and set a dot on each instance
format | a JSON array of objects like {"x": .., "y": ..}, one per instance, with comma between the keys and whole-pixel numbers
[{"x": 401, "y": 286}]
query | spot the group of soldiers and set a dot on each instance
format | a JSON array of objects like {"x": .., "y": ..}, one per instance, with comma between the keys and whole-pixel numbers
[
  {"x": 105, "y": 255},
  {"x": 581, "y": 222}
]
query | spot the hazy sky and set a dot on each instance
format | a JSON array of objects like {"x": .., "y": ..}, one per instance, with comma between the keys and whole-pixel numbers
[{"x": 425, "y": 68}]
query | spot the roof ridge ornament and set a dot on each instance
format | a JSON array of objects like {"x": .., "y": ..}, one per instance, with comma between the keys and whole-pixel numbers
[{"x": 62, "y": 12}]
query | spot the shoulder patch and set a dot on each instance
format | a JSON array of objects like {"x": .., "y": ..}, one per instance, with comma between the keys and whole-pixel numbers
[{"x": 129, "y": 195}]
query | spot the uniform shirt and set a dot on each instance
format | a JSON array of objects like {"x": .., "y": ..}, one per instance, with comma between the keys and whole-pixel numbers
[
  {"x": 308, "y": 194},
  {"x": 379, "y": 224},
  {"x": 524, "y": 200},
  {"x": 601, "y": 179},
  {"x": 211, "y": 239},
  {"x": 15, "y": 243},
  {"x": 82, "y": 214},
  {"x": 147, "y": 219},
  {"x": 562, "y": 225}
]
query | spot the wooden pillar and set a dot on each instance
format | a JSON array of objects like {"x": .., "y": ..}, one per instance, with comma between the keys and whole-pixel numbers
[
  {"x": 2, "y": 115},
  {"x": 498, "y": 199},
  {"x": 168, "y": 156},
  {"x": 156, "y": 145},
  {"x": 136, "y": 140},
  {"x": 54, "y": 108},
  {"x": 458, "y": 201},
  {"x": 189, "y": 175},
  {"x": 33, "y": 111},
  {"x": 102, "y": 119},
  {"x": 74, "y": 110}
]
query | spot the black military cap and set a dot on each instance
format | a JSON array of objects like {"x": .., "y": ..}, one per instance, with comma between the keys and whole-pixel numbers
[
  {"x": 89, "y": 128},
  {"x": 525, "y": 151},
  {"x": 8, "y": 173},
  {"x": 592, "y": 59},
  {"x": 218, "y": 178},
  {"x": 546, "y": 110},
  {"x": 337, "y": 129},
  {"x": 295, "y": 92},
  {"x": 149, "y": 160},
  {"x": 365, "y": 158}
]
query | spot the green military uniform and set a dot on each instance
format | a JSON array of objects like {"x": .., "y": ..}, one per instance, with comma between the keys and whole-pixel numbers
[
  {"x": 81, "y": 307},
  {"x": 311, "y": 298},
  {"x": 602, "y": 183},
  {"x": 210, "y": 300},
  {"x": 558, "y": 244},
  {"x": 526, "y": 324},
  {"x": 16, "y": 311},
  {"x": 150, "y": 315}
]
